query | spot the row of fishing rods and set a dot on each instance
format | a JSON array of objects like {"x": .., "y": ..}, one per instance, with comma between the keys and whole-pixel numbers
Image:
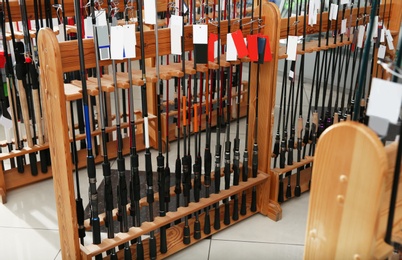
[
  {"x": 337, "y": 71},
  {"x": 190, "y": 90}
]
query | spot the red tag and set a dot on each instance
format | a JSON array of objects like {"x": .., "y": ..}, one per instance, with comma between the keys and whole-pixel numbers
[
  {"x": 213, "y": 38},
  {"x": 268, "y": 54},
  {"x": 252, "y": 47},
  {"x": 239, "y": 43}
]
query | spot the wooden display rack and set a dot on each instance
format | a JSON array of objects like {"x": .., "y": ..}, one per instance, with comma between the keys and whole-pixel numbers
[
  {"x": 349, "y": 204},
  {"x": 57, "y": 58},
  {"x": 391, "y": 13}
]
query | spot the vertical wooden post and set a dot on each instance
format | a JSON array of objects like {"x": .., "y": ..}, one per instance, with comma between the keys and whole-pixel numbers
[{"x": 55, "y": 103}]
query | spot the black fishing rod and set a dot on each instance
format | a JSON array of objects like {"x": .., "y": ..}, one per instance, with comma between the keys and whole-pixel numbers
[
  {"x": 228, "y": 87},
  {"x": 218, "y": 147},
  {"x": 135, "y": 185},
  {"x": 167, "y": 168},
  {"x": 297, "y": 190},
  {"x": 108, "y": 191},
  {"x": 11, "y": 87},
  {"x": 148, "y": 163},
  {"x": 243, "y": 206},
  {"x": 96, "y": 238},
  {"x": 160, "y": 159},
  {"x": 237, "y": 81}
]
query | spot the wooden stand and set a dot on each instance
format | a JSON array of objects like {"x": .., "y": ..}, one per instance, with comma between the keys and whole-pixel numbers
[
  {"x": 349, "y": 204},
  {"x": 57, "y": 58}
]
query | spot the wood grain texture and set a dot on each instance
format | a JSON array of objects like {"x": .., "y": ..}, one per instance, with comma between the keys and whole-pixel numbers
[
  {"x": 53, "y": 85},
  {"x": 347, "y": 183}
]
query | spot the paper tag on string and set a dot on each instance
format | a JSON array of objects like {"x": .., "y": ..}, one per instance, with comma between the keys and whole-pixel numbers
[
  {"x": 213, "y": 39},
  {"x": 150, "y": 11},
  {"x": 252, "y": 47},
  {"x": 116, "y": 43},
  {"x": 231, "y": 52},
  {"x": 360, "y": 36},
  {"x": 103, "y": 42},
  {"x": 60, "y": 36},
  {"x": 312, "y": 15},
  {"x": 390, "y": 40},
  {"x": 375, "y": 28},
  {"x": 381, "y": 51},
  {"x": 343, "y": 26},
  {"x": 200, "y": 34},
  {"x": 344, "y": 2},
  {"x": 175, "y": 40},
  {"x": 268, "y": 54},
  {"x": 130, "y": 41},
  {"x": 385, "y": 100},
  {"x": 239, "y": 43},
  {"x": 177, "y": 22},
  {"x": 292, "y": 47},
  {"x": 382, "y": 36},
  {"x": 89, "y": 32},
  {"x": 333, "y": 14},
  {"x": 100, "y": 18}
]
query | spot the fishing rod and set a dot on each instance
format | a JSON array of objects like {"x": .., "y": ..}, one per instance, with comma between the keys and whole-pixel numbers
[
  {"x": 364, "y": 59},
  {"x": 167, "y": 168},
  {"x": 186, "y": 161},
  {"x": 236, "y": 142},
  {"x": 291, "y": 111},
  {"x": 207, "y": 150},
  {"x": 160, "y": 158},
  {"x": 96, "y": 238},
  {"x": 218, "y": 147},
  {"x": 135, "y": 185},
  {"x": 11, "y": 88},
  {"x": 297, "y": 190},
  {"x": 148, "y": 164},
  {"x": 197, "y": 160},
  {"x": 108, "y": 192},
  {"x": 243, "y": 206},
  {"x": 228, "y": 87}
]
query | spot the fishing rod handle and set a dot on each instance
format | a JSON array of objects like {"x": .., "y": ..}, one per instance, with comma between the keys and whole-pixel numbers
[
  {"x": 163, "y": 240},
  {"x": 291, "y": 144},
  {"x": 197, "y": 180},
  {"x": 136, "y": 177},
  {"x": 152, "y": 247},
  {"x": 197, "y": 229},
  {"x": 217, "y": 219},
  {"x": 167, "y": 186},
  {"x": 254, "y": 166},
  {"x": 207, "y": 222},
  {"x": 245, "y": 165},
  {"x": 227, "y": 173},
  {"x": 177, "y": 188},
  {"x": 236, "y": 168},
  {"x": 235, "y": 215},
  {"x": 207, "y": 167},
  {"x": 282, "y": 159}
]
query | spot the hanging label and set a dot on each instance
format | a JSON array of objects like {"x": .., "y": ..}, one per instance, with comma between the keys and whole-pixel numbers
[
  {"x": 268, "y": 54},
  {"x": 382, "y": 37},
  {"x": 261, "y": 49},
  {"x": 100, "y": 18},
  {"x": 239, "y": 43},
  {"x": 176, "y": 22},
  {"x": 150, "y": 11},
  {"x": 381, "y": 51},
  {"x": 292, "y": 47},
  {"x": 213, "y": 39},
  {"x": 130, "y": 41},
  {"x": 231, "y": 53},
  {"x": 103, "y": 42},
  {"x": 375, "y": 28},
  {"x": 390, "y": 40},
  {"x": 252, "y": 47},
  {"x": 312, "y": 15},
  {"x": 360, "y": 36},
  {"x": 175, "y": 40},
  {"x": 89, "y": 32},
  {"x": 385, "y": 100},
  {"x": 333, "y": 13},
  {"x": 344, "y": 2},
  {"x": 343, "y": 26},
  {"x": 116, "y": 43},
  {"x": 60, "y": 36},
  {"x": 200, "y": 34}
]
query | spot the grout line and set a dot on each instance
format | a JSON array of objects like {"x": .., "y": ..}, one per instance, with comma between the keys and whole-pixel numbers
[
  {"x": 58, "y": 253},
  {"x": 27, "y": 228},
  {"x": 259, "y": 242},
  {"x": 209, "y": 249}
]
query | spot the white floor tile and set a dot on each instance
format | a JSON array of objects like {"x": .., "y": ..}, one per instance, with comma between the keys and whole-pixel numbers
[
  {"x": 198, "y": 251},
  {"x": 289, "y": 230},
  {"x": 234, "y": 250},
  {"x": 26, "y": 244},
  {"x": 32, "y": 206}
]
